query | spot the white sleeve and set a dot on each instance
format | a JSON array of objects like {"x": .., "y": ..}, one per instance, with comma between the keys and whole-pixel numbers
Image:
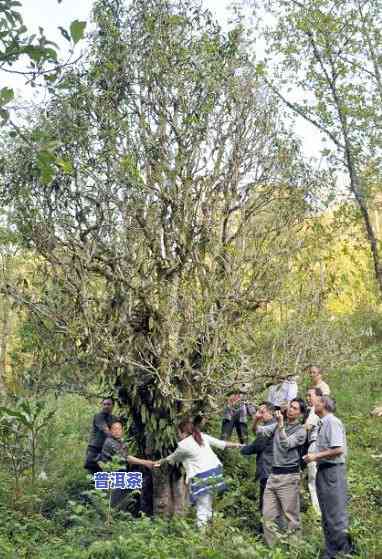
[
  {"x": 271, "y": 394},
  {"x": 291, "y": 391},
  {"x": 312, "y": 420},
  {"x": 178, "y": 456},
  {"x": 217, "y": 443}
]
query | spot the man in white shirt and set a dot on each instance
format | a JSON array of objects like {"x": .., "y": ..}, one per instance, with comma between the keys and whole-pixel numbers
[
  {"x": 311, "y": 426},
  {"x": 317, "y": 381},
  {"x": 280, "y": 395}
]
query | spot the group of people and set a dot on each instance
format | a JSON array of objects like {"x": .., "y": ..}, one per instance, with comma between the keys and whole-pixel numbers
[{"x": 288, "y": 433}]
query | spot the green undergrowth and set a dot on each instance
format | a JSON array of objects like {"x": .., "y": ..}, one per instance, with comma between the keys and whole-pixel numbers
[{"x": 63, "y": 518}]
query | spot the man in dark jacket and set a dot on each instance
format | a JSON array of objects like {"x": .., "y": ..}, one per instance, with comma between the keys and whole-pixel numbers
[
  {"x": 262, "y": 446},
  {"x": 114, "y": 447},
  {"x": 100, "y": 431}
]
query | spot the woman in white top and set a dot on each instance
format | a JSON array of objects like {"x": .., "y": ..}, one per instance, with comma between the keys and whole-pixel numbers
[{"x": 204, "y": 470}]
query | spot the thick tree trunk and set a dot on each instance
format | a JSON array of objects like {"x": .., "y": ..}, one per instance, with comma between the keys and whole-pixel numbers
[
  {"x": 169, "y": 492},
  {"x": 178, "y": 493}
]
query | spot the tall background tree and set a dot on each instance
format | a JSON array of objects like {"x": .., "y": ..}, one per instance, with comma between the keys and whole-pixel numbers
[
  {"x": 163, "y": 197},
  {"x": 327, "y": 55}
]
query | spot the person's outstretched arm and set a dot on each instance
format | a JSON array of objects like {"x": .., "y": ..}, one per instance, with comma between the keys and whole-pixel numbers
[
  {"x": 233, "y": 445},
  {"x": 257, "y": 446},
  {"x": 176, "y": 457},
  {"x": 140, "y": 462},
  {"x": 329, "y": 453},
  {"x": 218, "y": 443}
]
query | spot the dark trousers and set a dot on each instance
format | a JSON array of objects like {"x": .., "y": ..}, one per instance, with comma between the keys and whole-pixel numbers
[
  {"x": 241, "y": 429},
  {"x": 90, "y": 461},
  {"x": 127, "y": 500},
  {"x": 332, "y": 495}
]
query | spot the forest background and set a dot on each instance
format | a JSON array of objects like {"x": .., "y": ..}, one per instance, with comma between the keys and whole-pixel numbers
[{"x": 164, "y": 239}]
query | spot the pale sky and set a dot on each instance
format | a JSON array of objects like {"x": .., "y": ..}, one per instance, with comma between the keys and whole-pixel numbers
[{"x": 49, "y": 14}]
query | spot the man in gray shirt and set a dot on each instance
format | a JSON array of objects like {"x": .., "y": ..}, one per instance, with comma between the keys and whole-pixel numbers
[
  {"x": 330, "y": 455},
  {"x": 282, "y": 492}
]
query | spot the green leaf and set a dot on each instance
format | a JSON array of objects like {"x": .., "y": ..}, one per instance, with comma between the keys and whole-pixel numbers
[
  {"x": 4, "y": 115},
  {"x": 6, "y": 95},
  {"x": 50, "y": 54},
  {"x": 64, "y": 33},
  {"x": 65, "y": 165},
  {"x": 13, "y": 413},
  {"x": 35, "y": 53},
  {"x": 260, "y": 69},
  {"x": 77, "y": 29},
  {"x": 50, "y": 78},
  {"x": 45, "y": 161},
  {"x": 176, "y": 20}
]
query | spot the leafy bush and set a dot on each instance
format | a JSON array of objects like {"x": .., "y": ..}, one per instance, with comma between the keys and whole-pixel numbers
[{"x": 63, "y": 517}]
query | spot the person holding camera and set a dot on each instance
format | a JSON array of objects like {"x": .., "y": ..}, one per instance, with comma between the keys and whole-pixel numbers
[
  {"x": 282, "y": 491},
  {"x": 262, "y": 446}
]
